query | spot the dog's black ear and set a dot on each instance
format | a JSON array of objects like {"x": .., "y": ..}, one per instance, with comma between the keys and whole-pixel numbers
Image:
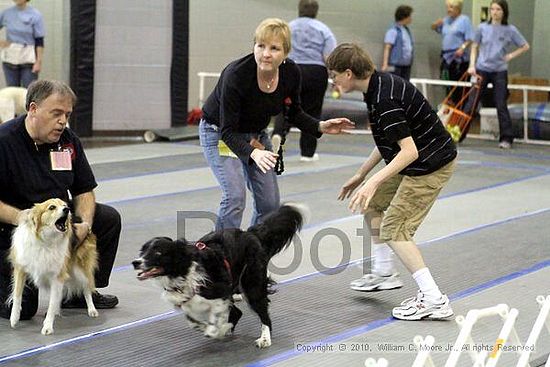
[{"x": 163, "y": 238}]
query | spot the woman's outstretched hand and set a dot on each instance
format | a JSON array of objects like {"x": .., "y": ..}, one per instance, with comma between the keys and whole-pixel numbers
[{"x": 336, "y": 126}]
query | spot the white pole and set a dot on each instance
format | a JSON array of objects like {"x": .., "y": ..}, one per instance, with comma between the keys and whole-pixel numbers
[
  {"x": 502, "y": 337},
  {"x": 534, "y": 335},
  {"x": 525, "y": 115},
  {"x": 424, "y": 346}
]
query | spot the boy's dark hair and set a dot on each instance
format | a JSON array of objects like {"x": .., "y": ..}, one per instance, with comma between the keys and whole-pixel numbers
[
  {"x": 308, "y": 8},
  {"x": 402, "y": 12},
  {"x": 351, "y": 56}
]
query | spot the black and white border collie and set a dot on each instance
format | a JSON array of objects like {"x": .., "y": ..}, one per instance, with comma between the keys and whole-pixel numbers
[{"x": 201, "y": 277}]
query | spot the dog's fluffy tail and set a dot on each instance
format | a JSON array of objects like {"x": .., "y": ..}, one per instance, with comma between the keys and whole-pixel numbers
[{"x": 278, "y": 228}]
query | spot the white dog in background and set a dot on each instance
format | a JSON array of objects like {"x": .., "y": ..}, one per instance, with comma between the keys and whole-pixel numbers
[{"x": 12, "y": 102}]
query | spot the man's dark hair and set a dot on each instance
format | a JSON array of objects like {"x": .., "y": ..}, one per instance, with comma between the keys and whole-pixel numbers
[
  {"x": 308, "y": 8},
  {"x": 39, "y": 90},
  {"x": 402, "y": 12},
  {"x": 504, "y": 5}
]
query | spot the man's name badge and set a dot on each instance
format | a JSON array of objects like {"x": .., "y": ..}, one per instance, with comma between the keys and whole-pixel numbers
[{"x": 61, "y": 161}]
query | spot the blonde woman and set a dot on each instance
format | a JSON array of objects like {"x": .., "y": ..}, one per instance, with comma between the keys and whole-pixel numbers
[
  {"x": 457, "y": 35},
  {"x": 235, "y": 117}
]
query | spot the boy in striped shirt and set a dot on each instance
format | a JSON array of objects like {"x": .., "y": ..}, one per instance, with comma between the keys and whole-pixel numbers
[{"x": 420, "y": 158}]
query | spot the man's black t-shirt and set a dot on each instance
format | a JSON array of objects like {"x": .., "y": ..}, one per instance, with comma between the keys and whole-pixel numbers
[{"x": 26, "y": 175}]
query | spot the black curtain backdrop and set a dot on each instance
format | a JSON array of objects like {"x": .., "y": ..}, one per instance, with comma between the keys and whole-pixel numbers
[
  {"x": 179, "y": 70},
  {"x": 82, "y": 64}
]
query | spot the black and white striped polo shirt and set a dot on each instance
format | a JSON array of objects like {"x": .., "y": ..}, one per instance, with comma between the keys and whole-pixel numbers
[{"x": 398, "y": 110}]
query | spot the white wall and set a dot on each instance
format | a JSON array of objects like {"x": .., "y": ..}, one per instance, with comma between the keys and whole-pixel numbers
[
  {"x": 132, "y": 64},
  {"x": 133, "y": 43}
]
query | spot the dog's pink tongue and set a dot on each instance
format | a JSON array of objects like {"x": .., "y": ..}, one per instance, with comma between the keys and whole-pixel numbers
[{"x": 149, "y": 273}]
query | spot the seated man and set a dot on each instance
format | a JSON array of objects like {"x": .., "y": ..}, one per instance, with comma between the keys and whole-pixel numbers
[{"x": 30, "y": 172}]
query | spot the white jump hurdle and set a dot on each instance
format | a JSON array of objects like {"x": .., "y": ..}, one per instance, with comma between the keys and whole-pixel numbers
[
  {"x": 542, "y": 319},
  {"x": 483, "y": 358},
  {"x": 507, "y": 336}
]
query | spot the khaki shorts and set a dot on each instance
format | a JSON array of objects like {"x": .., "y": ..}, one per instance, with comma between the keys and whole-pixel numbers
[{"x": 406, "y": 200}]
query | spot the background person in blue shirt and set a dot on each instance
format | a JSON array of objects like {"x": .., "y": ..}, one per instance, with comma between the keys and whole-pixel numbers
[
  {"x": 456, "y": 34},
  {"x": 24, "y": 45},
  {"x": 489, "y": 58},
  {"x": 399, "y": 44},
  {"x": 312, "y": 42}
]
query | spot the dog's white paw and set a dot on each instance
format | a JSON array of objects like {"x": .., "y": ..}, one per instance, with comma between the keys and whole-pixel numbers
[
  {"x": 225, "y": 330},
  {"x": 263, "y": 342},
  {"x": 212, "y": 332},
  {"x": 14, "y": 321},
  {"x": 47, "y": 330},
  {"x": 93, "y": 312}
]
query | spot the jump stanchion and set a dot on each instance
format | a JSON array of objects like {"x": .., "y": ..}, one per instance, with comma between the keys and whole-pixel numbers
[
  {"x": 423, "y": 358},
  {"x": 542, "y": 320},
  {"x": 465, "y": 336}
]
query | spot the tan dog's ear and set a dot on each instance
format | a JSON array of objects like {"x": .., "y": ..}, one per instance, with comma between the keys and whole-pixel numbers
[
  {"x": 32, "y": 217},
  {"x": 23, "y": 216}
]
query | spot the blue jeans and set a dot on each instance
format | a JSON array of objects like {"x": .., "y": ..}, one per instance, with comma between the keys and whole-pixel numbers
[
  {"x": 234, "y": 176},
  {"x": 19, "y": 75}
]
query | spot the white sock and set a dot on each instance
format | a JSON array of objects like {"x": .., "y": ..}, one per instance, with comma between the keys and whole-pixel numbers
[
  {"x": 382, "y": 259},
  {"x": 427, "y": 285}
]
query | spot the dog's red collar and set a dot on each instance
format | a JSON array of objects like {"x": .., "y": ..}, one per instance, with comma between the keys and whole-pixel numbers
[{"x": 202, "y": 246}]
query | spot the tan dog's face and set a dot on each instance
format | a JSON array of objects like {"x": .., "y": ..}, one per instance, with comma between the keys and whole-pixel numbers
[{"x": 49, "y": 218}]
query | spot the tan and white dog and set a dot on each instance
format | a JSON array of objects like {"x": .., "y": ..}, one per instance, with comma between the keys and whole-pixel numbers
[
  {"x": 12, "y": 102},
  {"x": 44, "y": 250}
]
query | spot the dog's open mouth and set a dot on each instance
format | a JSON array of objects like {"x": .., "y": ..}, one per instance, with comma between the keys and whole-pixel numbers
[
  {"x": 150, "y": 273},
  {"x": 61, "y": 223}
]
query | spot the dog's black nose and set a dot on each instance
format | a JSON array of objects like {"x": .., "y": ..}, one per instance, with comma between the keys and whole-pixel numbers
[
  {"x": 136, "y": 263},
  {"x": 66, "y": 210}
]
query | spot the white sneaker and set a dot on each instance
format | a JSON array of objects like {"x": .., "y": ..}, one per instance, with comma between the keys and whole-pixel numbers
[
  {"x": 418, "y": 308},
  {"x": 505, "y": 145},
  {"x": 374, "y": 282},
  {"x": 315, "y": 158}
]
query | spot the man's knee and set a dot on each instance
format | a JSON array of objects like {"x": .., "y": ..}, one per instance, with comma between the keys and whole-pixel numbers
[{"x": 107, "y": 215}]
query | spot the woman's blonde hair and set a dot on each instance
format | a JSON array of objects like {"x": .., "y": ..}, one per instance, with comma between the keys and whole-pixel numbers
[
  {"x": 271, "y": 28},
  {"x": 456, "y": 3}
]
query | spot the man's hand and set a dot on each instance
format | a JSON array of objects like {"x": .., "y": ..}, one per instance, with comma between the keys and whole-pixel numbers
[
  {"x": 264, "y": 159},
  {"x": 336, "y": 126},
  {"x": 81, "y": 231}
]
